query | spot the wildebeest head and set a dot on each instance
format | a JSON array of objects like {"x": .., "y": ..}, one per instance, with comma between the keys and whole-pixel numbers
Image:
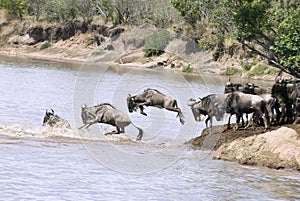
[
  {"x": 53, "y": 120},
  {"x": 196, "y": 109},
  {"x": 87, "y": 113},
  {"x": 131, "y": 104},
  {"x": 47, "y": 116}
]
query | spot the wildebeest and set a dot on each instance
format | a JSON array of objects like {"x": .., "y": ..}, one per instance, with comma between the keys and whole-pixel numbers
[
  {"x": 152, "y": 97},
  {"x": 231, "y": 87},
  {"x": 248, "y": 88},
  {"x": 251, "y": 88},
  {"x": 208, "y": 106},
  {"x": 239, "y": 103},
  {"x": 107, "y": 114},
  {"x": 286, "y": 92},
  {"x": 53, "y": 120}
]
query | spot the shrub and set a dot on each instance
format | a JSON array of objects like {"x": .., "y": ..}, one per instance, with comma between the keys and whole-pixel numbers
[
  {"x": 156, "y": 43},
  {"x": 97, "y": 53},
  {"x": 258, "y": 70},
  {"x": 45, "y": 45},
  {"x": 186, "y": 69},
  {"x": 246, "y": 66},
  {"x": 232, "y": 71}
]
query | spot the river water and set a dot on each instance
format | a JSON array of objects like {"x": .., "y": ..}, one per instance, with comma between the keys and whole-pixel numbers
[{"x": 41, "y": 163}]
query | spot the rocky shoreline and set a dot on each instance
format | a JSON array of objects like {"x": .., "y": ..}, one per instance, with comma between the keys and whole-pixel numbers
[{"x": 279, "y": 148}]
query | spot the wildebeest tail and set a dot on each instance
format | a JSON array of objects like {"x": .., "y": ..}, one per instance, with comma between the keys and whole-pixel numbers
[
  {"x": 265, "y": 111},
  {"x": 141, "y": 132},
  {"x": 176, "y": 106}
]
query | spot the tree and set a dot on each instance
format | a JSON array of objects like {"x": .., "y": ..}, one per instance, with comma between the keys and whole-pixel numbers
[
  {"x": 14, "y": 7},
  {"x": 287, "y": 42},
  {"x": 36, "y": 8},
  {"x": 270, "y": 28}
]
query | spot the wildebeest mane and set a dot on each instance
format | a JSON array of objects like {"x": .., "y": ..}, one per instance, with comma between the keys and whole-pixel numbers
[
  {"x": 105, "y": 104},
  {"x": 153, "y": 90},
  {"x": 206, "y": 101}
]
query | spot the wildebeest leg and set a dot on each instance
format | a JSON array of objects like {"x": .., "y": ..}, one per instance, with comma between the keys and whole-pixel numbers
[
  {"x": 238, "y": 118},
  {"x": 206, "y": 121},
  {"x": 142, "y": 110},
  {"x": 228, "y": 124},
  {"x": 89, "y": 124},
  {"x": 250, "y": 121},
  {"x": 114, "y": 132},
  {"x": 178, "y": 110},
  {"x": 261, "y": 115}
]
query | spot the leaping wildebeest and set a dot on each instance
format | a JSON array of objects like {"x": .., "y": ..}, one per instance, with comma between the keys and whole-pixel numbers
[
  {"x": 152, "y": 97},
  {"x": 53, "y": 120},
  {"x": 208, "y": 106},
  {"x": 107, "y": 114}
]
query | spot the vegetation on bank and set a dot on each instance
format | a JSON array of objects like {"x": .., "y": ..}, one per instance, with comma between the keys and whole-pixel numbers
[{"x": 268, "y": 28}]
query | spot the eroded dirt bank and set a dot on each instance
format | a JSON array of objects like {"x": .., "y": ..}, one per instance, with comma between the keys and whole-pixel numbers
[{"x": 278, "y": 148}]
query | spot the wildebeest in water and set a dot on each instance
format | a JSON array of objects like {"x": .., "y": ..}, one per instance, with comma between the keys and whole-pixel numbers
[
  {"x": 107, "y": 114},
  {"x": 53, "y": 120},
  {"x": 152, "y": 97}
]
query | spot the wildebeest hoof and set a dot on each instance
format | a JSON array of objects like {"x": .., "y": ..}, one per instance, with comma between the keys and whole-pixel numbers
[{"x": 144, "y": 114}]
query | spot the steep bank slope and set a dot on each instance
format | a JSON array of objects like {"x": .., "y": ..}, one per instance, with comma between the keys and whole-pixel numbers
[
  {"x": 276, "y": 149},
  {"x": 79, "y": 41},
  {"x": 279, "y": 148}
]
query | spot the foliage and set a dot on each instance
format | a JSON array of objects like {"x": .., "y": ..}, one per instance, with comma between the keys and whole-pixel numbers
[
  {"x": 246, "y": 66},
  {"x": 232, "y": 71},
  {"x": 45, "y": 45},
  {"x": 156, "y": 43},
  {"x": 14, "y": 7},
  {"x": 259, "y": 70},
  {"x": 97, "y": 53},
  {"x": 269, "y": 28},
  {"x": 187, "y": 69},
  {"x": 287, "y": 42}
]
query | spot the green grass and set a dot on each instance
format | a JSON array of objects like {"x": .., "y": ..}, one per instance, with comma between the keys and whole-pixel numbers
[
  {"x": 187, "y": 69},
  {"x": 45, "y": 45},
  {"x": 233, "y": 71},
  {"x": 259, "y": 70},
  {"x": 97, "y": 53},
  {"x": 226, "y": 144},
  {"x": 246, "y": 66}
]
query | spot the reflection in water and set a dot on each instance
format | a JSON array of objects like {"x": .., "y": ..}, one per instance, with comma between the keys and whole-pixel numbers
[{"x": 39, "y": 163}]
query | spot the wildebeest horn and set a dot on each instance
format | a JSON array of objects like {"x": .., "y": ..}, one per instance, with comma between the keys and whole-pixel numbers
[
  {"x": 191, "y": 102},
  {"x": 83, "y": 106},
  {"x": 129, "y": 95},
  {"x": 48, "y": 113}
]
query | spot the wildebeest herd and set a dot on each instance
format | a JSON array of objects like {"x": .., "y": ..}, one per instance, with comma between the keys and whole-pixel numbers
[{"x": 277, "y": 105}]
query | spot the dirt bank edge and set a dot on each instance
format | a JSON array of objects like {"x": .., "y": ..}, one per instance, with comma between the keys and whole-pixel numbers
[{"x": 278, "y": 148}]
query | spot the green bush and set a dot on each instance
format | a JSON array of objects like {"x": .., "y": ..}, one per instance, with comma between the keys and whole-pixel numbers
[
  {"x": 246, "y": 66},
  {"x": 232, "y": 71},
  {"x": 186, "y": 69},
  {"x": 45, "y": 45},
  {"x": 97, "y": 53},
  {"x": 156, "y": 43},
  {"x": 259, "y": 70}
]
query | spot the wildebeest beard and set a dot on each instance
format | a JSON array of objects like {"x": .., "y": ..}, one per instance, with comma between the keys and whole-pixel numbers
[{"x": 132, "y": 104}]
